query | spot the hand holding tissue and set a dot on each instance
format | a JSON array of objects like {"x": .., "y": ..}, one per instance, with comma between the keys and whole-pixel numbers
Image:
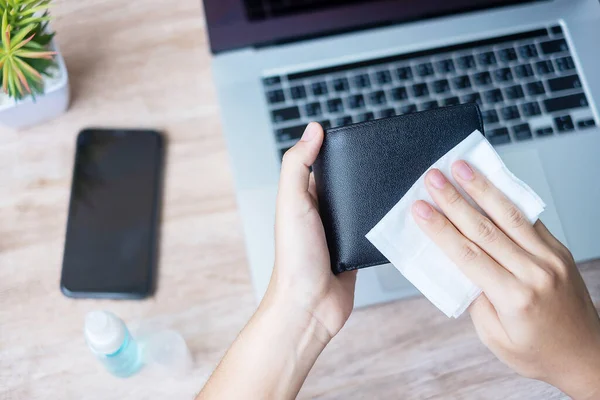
[
  {"x": 369, "y": 175},
  {"x": 415, "y": 255}
]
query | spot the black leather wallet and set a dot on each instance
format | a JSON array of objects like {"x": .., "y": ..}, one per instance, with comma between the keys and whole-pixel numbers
[{"x": 364, "y": 169}]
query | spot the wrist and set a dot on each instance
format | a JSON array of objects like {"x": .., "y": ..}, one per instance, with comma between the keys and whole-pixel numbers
[
  {"x": 294, "y": 318},
  {"x": 292, "y": 341},
  {"x": 582, "y": 389},
  {"x": 584, "y": 381}
]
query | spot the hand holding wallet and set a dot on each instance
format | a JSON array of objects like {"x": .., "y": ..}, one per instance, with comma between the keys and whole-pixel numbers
[{"x": 364, "y": 169}]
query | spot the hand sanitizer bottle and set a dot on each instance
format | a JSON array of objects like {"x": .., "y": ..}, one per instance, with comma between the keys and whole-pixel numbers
[{"x": 109, "y": 339}]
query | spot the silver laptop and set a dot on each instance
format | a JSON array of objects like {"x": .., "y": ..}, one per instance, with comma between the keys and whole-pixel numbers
[{"x": 533, "y": 66}]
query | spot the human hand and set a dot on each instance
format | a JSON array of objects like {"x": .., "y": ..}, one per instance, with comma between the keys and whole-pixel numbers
[
  {"x": 305, "y": 304},
  {"x": 302, "y": 273},
  {"x": 535, "y": 313}
]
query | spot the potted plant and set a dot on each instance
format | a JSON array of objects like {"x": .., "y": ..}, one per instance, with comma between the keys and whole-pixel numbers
[{"x": 33, "y": 75}]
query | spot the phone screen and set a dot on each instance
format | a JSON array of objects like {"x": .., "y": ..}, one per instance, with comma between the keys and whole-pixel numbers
[{"x": 110, "y": 245}]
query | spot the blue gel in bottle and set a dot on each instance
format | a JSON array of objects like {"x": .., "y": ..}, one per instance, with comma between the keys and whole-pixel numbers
[{"x": 112, "y": 344}]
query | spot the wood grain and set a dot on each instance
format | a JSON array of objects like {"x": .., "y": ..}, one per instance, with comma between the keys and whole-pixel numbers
[{"x": 146, "y": 64}]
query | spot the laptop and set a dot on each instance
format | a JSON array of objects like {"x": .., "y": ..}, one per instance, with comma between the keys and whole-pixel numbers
[{"x": 532, "y": 66}]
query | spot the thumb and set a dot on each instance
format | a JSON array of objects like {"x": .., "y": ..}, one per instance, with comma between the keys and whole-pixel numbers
[{"x": 295, "y": 167}]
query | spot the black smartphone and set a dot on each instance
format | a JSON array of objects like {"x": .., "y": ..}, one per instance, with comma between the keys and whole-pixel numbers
[{"x": 112, "y": 229}]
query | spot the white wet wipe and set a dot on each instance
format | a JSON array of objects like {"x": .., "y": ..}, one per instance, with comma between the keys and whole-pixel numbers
[{"x": 398, "y": 237}]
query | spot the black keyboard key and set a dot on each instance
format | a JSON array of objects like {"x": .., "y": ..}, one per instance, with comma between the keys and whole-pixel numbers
[
  {"x": 271, "y": 80},
  {"x": 335, "y": 106},
  {"x": 522, "y": 132},
  {"x": 313, "y": 109},
  {"x": 528, "y": 51},
  {"x": 425, "y": 69},
  {"x": 565, "y": 102},
  {"x": 489, "y": 117},
  {"x": 547, "y": 131},
  {"x": 482, "y": 79},
  {"x": 345, "y": 120},
  {"x": 356, "y": 101},
  {"x": 465, "y": 62},
  {"x": 544, "y": 67},
  {"x": 498, "y": 136},
  {"x": 564, "y": 124},
  {"x": 377, "y": 98},
  {"x": 441, "y": 86},
  {"x": 319, "y": 88},
  {"x": 368, "y": 116},
  {"x": 282, "y": 151},
  {"x": 275, "y": 96},
  {"x": 290, "y": 133},
  {"x": 407, "y": 109},
  {"x": 509, "y": 113},
  {"x": 399, "y": 94},
  {"x": 493, "y": 96},
  {"x": 462, "y": 82},
  {"x": 507, "y": 55},
  {"x": 341, "y": 85},
  {"x": 554, "y": 46},
  {"x": 285, "y": 114},
  {"x": 487, "y": 59},
  {"x": 383, "y": 77},
  {"x": 362, "y": 81},
  {"x": 388, "y": 112},
  {"x": 565, "y": 63},
  {"x": 564, "y": 83},
  {"x": 586, "y": 123},
  {"x": 420, "y": 90},
  {"x": 556, "y": 30},
  {"x": 452, "y": 101},
  {"x": 514, "y": 92},
  {"x": 404, "y": 73},
  {"x": 428, "y": 105},
  {"x": 298, "y": 92},
  {"x": 472, "y": 98},
  {"x": 523, "y": 71},
  {"x": 531, "y": 109},
  {"x": 535, "y": 88},
  {"x": 503, "y": 75},
  {"x": 445, "y": 66},
  {"x": 326, "y": 124}
]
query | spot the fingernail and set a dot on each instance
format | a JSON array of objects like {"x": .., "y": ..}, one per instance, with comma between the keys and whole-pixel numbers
[
  {"x": 437, "y": 179},
  {"x": 309, "y": 133},
  {"x": 423, "y": 209},
  {"x": 463, "y": 170}
]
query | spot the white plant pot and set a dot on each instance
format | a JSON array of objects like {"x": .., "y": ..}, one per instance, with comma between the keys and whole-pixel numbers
[{"x": 52, "y": 103}]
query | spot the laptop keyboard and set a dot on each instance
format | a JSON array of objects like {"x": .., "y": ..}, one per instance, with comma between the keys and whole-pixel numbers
[{"x": 526, "y": 84}]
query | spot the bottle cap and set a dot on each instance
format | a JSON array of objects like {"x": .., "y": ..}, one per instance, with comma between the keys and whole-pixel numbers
[
  {"x": 104, "y": 332},
  {"x": 168, "y": 351}
]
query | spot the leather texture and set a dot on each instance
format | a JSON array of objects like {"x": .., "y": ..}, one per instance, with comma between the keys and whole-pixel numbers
[{"x": 364, "y": 169}]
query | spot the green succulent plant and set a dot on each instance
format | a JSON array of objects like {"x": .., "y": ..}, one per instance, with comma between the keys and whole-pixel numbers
[{"x": 24, "y": 55}]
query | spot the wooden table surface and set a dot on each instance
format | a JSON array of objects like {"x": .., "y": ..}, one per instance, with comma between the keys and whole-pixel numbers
[{"x": 147, "y": 64}]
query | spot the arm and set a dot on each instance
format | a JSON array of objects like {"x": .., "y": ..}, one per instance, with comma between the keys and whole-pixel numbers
[
  {"x": 305, "y": 304},
  {"x": 535, "y": 313}
]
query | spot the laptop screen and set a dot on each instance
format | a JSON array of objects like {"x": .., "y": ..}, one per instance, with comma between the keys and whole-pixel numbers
[
  {"x": 240, "y": 23},
  {"x": 265, "y": 9}
]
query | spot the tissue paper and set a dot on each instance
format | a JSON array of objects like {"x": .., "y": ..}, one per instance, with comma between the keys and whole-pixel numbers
[{"x": 398, "y": 237}]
